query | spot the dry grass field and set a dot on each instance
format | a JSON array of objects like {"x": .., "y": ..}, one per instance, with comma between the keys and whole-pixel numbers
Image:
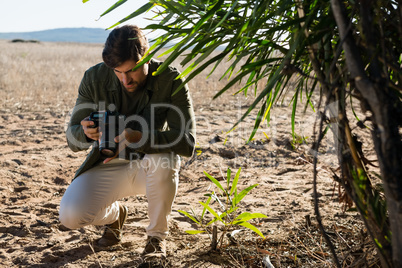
[{"x": 38, "y": 88}]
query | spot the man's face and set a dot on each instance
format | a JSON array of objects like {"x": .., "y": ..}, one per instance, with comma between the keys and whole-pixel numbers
[{"x": 131, "y": 80}]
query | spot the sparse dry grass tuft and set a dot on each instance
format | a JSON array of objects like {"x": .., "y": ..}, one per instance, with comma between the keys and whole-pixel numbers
[{"x": 46, "y": 74}]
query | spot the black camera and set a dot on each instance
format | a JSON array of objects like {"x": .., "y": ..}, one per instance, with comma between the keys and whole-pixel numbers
[{"x": 110, "y": 124}]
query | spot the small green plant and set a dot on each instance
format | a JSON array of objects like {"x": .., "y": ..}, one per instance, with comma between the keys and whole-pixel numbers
[
  {"x": 228, "y": 200},
  {"x": 298, "y": 140}
]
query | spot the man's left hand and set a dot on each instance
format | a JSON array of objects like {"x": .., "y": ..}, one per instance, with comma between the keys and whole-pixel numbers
[{"x": 124, "y": 139}]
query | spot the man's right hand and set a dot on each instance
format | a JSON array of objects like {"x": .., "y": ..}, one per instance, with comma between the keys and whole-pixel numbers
[{"x": 89, "y": 130}]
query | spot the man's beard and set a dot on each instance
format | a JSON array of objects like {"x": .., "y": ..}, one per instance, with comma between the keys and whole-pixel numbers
[{"x": 133, "y": 87}]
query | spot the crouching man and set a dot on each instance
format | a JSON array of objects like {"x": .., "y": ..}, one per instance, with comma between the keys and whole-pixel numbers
[{"x": 141, "y": 155}]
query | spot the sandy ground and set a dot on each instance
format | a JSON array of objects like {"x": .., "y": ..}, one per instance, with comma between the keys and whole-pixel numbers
[{"x": 37, "y": 166}]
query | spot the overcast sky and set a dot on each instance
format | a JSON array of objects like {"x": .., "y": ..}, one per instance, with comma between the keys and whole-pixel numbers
[{"x": 37, "y": 15}]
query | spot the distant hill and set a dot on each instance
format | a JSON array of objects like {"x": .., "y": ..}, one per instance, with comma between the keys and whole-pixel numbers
[{"x": 80, "y": 35}]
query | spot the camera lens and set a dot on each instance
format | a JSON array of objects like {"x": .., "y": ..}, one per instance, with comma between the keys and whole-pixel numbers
[
  {"x": 107, "y": 152},
  {"x": 107, "y": 148}
]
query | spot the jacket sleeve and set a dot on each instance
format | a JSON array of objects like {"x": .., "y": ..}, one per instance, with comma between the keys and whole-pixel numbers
[
  {"x": 76, "y": 138},
  {"x": 179, "y": 132}
]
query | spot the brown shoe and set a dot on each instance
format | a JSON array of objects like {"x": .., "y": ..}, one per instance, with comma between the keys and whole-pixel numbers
[
  {"x": 155, "y": 247},
  {"x": 113, "y": 232}
]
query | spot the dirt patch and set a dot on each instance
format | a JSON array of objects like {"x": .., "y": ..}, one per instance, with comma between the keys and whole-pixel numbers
[{"x": 37, "y": 166}]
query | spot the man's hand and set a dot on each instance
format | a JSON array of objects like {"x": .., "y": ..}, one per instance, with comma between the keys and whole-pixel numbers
[
  {"x": 124, "y": 139},
  {"x": 89, "y": 130}
]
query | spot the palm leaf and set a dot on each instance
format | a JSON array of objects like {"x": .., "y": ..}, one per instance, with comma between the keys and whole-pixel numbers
[
  {"x": 251, "y": 227},
  {"x": 215, "y": 181},
  {"x": 228, "y": 177},
  {"x": 189, "y": 216},
  {"x": 213, "y": 212},
  {"x": 246, "y": 216},
  {"x": 194, "y": 231},
  {"x": 243, "y": 193},
  {"x": 235, "y": 180},
  {"x": 136, "y": 13},
  {"x": 117, "y": 4}
]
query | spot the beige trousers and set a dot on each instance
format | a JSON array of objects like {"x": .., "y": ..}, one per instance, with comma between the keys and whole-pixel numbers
[{"x": 91, "y": 199}]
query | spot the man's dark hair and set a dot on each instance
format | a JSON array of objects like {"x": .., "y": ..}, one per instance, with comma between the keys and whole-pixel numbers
[{"x": 124, "y": 43}]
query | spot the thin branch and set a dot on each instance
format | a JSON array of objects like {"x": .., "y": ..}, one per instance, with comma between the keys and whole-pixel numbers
[{"x": 316, "y": 146}]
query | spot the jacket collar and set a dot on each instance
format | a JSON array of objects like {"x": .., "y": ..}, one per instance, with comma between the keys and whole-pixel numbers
[{"x": 153, "y": 66}]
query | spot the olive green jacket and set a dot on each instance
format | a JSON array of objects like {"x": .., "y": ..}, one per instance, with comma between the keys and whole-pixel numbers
[{"x": 169, "y": 118}]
